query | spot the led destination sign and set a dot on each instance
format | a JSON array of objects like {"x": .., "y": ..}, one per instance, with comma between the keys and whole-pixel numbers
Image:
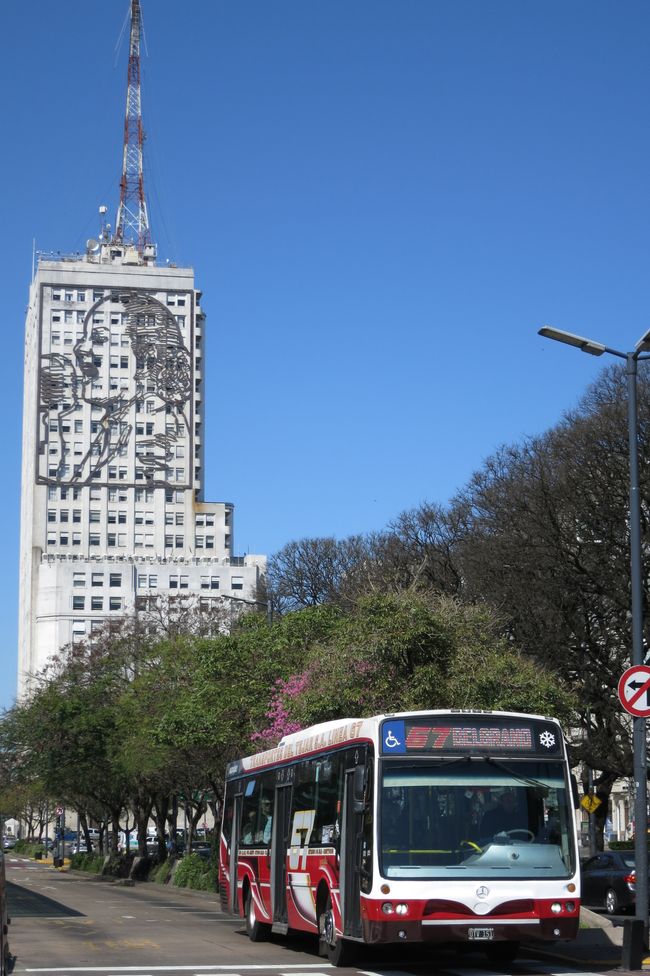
[{"x": 458, "y": 736}]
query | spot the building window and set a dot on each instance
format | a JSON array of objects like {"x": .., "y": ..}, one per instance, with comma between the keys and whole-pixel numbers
[
  {"x": 94, "y": 515},
  {"x": 205, "y": 582},
  {"x": 76, "y": 515},
  {"x": 63, "y": 515},
  {"x": 115, "y": 579},
  {"x": 111, "y": 540},
  {"x": 97, "y": 579},
  {"x": 78, "y": 603},
  {"x": 139, "y": 540},
  {"x": 97, "y": 603},
  {"x": 173, "y": 582},
  {"x": 185, "y": 582},
  {"x": 51, "y": 539},
  {"x": 209, "y": 542},
  {"x": 63, "y": 539},
  {"x": 169, "y": 541},
  {"x": 142, "y": 581},
  {"x": 51, "y": 515},
  {"x": 200, "y": 542},
  {"x": 115, "y": 603},
  {"x": 236, "y": 582},
  {"x": 93, "y": 538},
  {"x": 78, "y": 579},
  {"x": 153, "y": 581},
  {"x": 78, "y": 630},
  {"x": 214, "y": 582},
  {"x": 179, "y": 542},
  {"x": 76, "y": 538}
]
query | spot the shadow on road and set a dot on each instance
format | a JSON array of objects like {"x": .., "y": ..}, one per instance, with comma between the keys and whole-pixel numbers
[{"x": 29, "y": 904}]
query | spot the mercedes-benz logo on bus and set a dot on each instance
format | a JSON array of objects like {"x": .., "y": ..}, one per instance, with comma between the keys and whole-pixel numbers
[{"x": 482, "y": 892}]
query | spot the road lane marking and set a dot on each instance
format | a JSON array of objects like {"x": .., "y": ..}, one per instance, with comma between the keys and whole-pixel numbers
[{"x": 222, "y": 970}]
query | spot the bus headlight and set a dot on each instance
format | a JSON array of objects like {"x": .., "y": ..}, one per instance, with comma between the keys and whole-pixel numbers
[
  {"x": 387, "y": 908},
  {"x": 570, "y": 906},
  {"x": 556, "y": 908},
  {"x": 402, "y": 909}
]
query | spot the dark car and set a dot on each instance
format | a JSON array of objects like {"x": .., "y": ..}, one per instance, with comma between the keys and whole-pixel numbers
[{"x": 608, "y": 881}]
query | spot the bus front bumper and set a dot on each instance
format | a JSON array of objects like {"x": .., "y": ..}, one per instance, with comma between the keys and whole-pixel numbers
[{"x": 480, "y": 932}]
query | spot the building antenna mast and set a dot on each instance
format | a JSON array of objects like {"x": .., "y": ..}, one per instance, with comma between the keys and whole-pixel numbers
[{"x": 132, "y": 224}]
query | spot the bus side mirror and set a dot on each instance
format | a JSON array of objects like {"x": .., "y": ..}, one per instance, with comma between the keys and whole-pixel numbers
[
  {"x": 574, "y": 791},
  {"x": 359, "y": 789}
]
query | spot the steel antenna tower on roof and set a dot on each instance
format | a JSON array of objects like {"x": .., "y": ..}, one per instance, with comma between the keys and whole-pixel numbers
[{"x": 132, "y": 224}]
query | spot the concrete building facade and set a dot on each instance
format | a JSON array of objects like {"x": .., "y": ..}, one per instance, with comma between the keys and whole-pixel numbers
[{"x": 112, "y": 507}]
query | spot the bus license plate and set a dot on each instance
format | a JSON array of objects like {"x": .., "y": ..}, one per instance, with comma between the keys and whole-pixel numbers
[{"x": 481, "y": 935}]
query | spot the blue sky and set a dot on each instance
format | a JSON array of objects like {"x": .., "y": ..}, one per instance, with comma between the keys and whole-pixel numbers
[{"x": 383, "y": 201}]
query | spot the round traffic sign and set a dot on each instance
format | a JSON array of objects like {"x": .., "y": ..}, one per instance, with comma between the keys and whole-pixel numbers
[
  {"x": 59, "y": 811},
  {"x": 634, "y": 690}
]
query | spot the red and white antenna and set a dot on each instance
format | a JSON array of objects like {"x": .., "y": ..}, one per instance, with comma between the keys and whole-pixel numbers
[{"x": 132, "y": 224}]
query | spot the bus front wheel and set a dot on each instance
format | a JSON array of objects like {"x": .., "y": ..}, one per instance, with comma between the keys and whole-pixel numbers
[
  {"x": 255, "y": 930},
  {"x": 339, "y": 952}
]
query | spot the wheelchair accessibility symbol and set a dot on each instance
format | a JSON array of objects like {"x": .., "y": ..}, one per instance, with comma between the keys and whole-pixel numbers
[{"x": 394, "y": 737}]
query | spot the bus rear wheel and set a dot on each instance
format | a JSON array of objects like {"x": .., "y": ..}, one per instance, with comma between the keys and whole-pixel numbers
[
  {"x": 339, "y": 952},
  {"x": 255, "y": 930}
]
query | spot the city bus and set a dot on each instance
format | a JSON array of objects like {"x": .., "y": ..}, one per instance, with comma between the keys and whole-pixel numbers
[{"x": 437, "y": 827}]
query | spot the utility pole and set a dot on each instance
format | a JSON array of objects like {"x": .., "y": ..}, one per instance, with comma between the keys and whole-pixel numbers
[{"x": 132, "y": 223}]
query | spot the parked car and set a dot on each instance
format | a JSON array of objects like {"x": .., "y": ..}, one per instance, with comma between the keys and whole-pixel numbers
[
  {"x": 608, "y": 881},
  {"x": 80, "y": 848},
  {"x": 8, "y": 843}
]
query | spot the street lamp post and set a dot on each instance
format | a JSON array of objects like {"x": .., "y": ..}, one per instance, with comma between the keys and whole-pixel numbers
[{"x": 639, "y": 736}]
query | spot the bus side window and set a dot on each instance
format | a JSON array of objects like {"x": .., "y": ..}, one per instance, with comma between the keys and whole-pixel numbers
[
  {"x": 228, "y": 806},
  {"x": 327, "y": 774},
  {"x": 368, "y": 833}
]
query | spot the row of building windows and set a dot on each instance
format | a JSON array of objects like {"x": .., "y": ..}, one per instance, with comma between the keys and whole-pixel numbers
[
  {"x": 146, "y": 581},
  {"x": 60, "y": 317},
  {"x": 118, "y": 540},
  {"x": 172, "y": 496},
  {"x": 82, "y": 295},
  {"x": 96, "y": 579},
  {"x": 115, "y": 472},
  {"x": 120, "y": 516},
  {"x": 96, "y": 603}
]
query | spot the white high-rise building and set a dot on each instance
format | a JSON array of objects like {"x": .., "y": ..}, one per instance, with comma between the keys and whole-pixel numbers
[
  {"x": 112, "y": 509},
  {"x": 112, "y": 506}
]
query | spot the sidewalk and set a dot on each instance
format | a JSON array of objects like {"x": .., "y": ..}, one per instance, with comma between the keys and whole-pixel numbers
[{"x": 599, "y": 943}]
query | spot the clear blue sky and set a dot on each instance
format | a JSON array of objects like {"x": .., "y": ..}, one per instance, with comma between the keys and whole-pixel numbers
[{"x": 382, "y": 201}]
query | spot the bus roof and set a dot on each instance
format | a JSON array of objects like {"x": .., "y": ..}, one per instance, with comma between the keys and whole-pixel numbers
[{"x": 339, "y": 732}]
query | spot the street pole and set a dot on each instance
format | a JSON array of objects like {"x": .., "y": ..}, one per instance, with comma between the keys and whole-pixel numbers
[
  {"x": 636, "y": 579},
  {"x": 639, "y": 758}
]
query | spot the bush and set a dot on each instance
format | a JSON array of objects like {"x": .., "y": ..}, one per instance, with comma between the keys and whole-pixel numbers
[
  {"x": 161, "y": 873},
  {"x": 194, "y": 872},
  {"x": 621, "y": 845},
  {"x": 92, "y": 863},
  {"x": 28, "y": 847}
]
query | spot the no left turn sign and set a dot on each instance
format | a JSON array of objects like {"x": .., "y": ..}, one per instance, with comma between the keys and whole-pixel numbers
[{"x": 634, "y": 690}]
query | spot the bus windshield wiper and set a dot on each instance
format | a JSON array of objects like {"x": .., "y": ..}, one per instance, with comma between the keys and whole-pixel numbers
[{"x": 528, "y": 780}]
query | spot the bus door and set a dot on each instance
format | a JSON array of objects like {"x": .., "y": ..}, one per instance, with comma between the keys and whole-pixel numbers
[
  {"x": 233, "y": 902},
  {"x": 351, "y": 852},
  {"x": 280, "y": 836}
]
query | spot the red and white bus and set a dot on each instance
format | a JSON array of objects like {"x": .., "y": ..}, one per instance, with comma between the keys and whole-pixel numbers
[{"x": 440, "y": 826}]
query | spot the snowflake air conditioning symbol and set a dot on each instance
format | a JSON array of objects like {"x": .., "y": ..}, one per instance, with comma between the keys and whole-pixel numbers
[{"x": 547, "y": 739}]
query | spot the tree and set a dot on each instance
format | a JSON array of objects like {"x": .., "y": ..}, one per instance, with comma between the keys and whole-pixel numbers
[
  {"x": 408, "y": 652},
  {"x": 545, "y": 541}
]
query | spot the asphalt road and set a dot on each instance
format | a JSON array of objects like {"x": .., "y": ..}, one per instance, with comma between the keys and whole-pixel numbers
[{"x": 69, "y": 923}]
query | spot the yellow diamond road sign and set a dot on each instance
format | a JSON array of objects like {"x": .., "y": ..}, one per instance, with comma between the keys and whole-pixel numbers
[{"x": 590, "y": 803}]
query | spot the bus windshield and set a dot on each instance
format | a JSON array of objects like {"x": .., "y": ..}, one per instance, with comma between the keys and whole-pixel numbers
[{"x": 475, "y": 818}]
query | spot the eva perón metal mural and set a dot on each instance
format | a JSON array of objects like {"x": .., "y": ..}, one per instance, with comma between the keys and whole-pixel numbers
[{"x": 96, "y": 417}]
